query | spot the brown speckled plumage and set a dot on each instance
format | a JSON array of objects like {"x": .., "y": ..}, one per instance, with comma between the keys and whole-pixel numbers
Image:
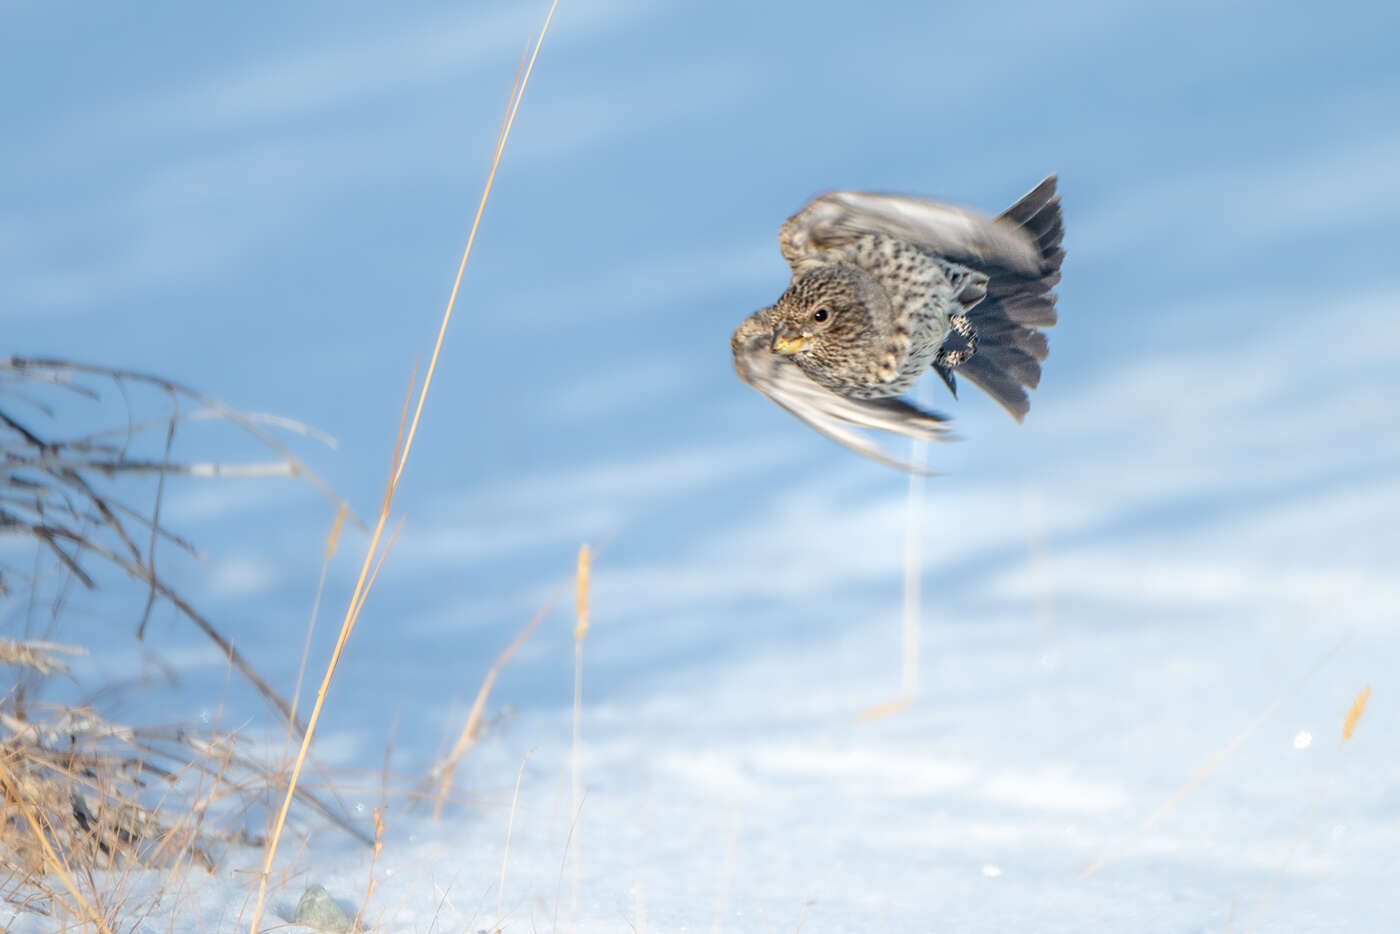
[{"x": 884, "y": 287}]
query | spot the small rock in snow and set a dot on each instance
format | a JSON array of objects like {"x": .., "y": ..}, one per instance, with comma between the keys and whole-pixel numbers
[{"x": 318, "y": 910}]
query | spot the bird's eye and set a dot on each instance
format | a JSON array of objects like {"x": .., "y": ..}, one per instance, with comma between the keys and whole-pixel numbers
[{"x": 821, "y": 314}]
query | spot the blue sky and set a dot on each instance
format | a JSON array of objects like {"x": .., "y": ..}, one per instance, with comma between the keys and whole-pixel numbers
[{"x": 268, "y": 201}]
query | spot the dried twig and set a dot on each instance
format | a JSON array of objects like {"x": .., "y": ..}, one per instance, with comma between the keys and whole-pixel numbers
[
  {"x": 446, "y": 768},
  {"x": 38, "y": 655},
  {"x": 62, "y": 371},
  {"x": 85, "y": 793},
  {"x": 53, "y": 486},
  {"x": 93, "y": 794},
  {"x": 361, "y": 590}
]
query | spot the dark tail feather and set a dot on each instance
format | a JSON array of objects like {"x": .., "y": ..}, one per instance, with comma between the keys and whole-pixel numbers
[{"x": 1009, "y": 346}]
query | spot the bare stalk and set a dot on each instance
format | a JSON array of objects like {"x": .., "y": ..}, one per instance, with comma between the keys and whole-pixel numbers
[{"x": 361, "y": 585}]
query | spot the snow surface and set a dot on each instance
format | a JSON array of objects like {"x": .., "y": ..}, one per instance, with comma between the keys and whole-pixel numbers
[
  {"x": 1193, "y": 537},
  {"x": 733, "y": 782}
]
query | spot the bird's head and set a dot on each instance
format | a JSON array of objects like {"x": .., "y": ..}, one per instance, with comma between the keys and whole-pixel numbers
[{"x": 825, "y": 315}]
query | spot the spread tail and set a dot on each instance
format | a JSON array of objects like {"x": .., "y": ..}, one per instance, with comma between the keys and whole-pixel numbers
[{"x": 1009, "y": 345}]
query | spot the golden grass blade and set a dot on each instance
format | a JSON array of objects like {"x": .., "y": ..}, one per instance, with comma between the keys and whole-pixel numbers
[
  {"x": 581, "y": 593},
  {"x": 331, "y": 541},
  {"x": 374, "y": 575},
  {"x": 444, "y": 770},
  {"x": 346, "y": 626},
  {"x": 333, "y": 538},
  {"x": 448, "y": 767},
  {"x": 60, "y": 869},
  {"x": 364, "y": 580},
  {"x": 373, "y": 859},
  {"x": 1358, "y": 707},
  {"x": 471, "y": 236},
  {"x": 38, "y": 655},
  {"x": 886, "y": 709},
  {"x": 581, "y": 576}
]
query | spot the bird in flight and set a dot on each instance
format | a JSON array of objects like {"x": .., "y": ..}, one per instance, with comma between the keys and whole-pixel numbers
[{"x": 884, "y": 287}]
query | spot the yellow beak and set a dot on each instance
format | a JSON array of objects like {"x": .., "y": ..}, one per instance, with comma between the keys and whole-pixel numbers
[{"x": 786, "y": 340}]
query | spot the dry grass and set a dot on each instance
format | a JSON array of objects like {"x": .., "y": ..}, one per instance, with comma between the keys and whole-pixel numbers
[
  {"x": 88, "y": 802},
  {"x": 374, "y": 556},
  {"x": 445, "y": 769},
  {"x": 38, "y": 656},
  {"x": 582, "y": 576},
  {"x": 1353, "y": 717},
  {"x": 59, "y": 488},
  {"x": 1358, "y": 707}
]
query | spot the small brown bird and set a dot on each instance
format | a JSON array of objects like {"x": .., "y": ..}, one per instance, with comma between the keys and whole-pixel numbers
[{"x": 884, "y": 287}]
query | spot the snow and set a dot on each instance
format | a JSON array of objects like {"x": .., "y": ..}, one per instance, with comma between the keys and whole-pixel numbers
[
  {"x": 1146, "y": 611},
  {"x": 736, "y": 779},
  {"x": 747, "y": 795}
]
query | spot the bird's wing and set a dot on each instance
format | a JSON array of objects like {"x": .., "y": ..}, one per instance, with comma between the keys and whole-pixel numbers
[
  {"x": 1013, "y": 261},
  {"x": 952, "y": 232},
  {"x": 833, "y": 415}
]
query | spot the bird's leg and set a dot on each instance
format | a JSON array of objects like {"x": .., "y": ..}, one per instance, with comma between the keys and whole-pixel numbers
[{"x": 963, "y": 326}]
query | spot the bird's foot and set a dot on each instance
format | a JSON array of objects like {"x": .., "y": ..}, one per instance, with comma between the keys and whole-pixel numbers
[{"x": 964, "y": 328}]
